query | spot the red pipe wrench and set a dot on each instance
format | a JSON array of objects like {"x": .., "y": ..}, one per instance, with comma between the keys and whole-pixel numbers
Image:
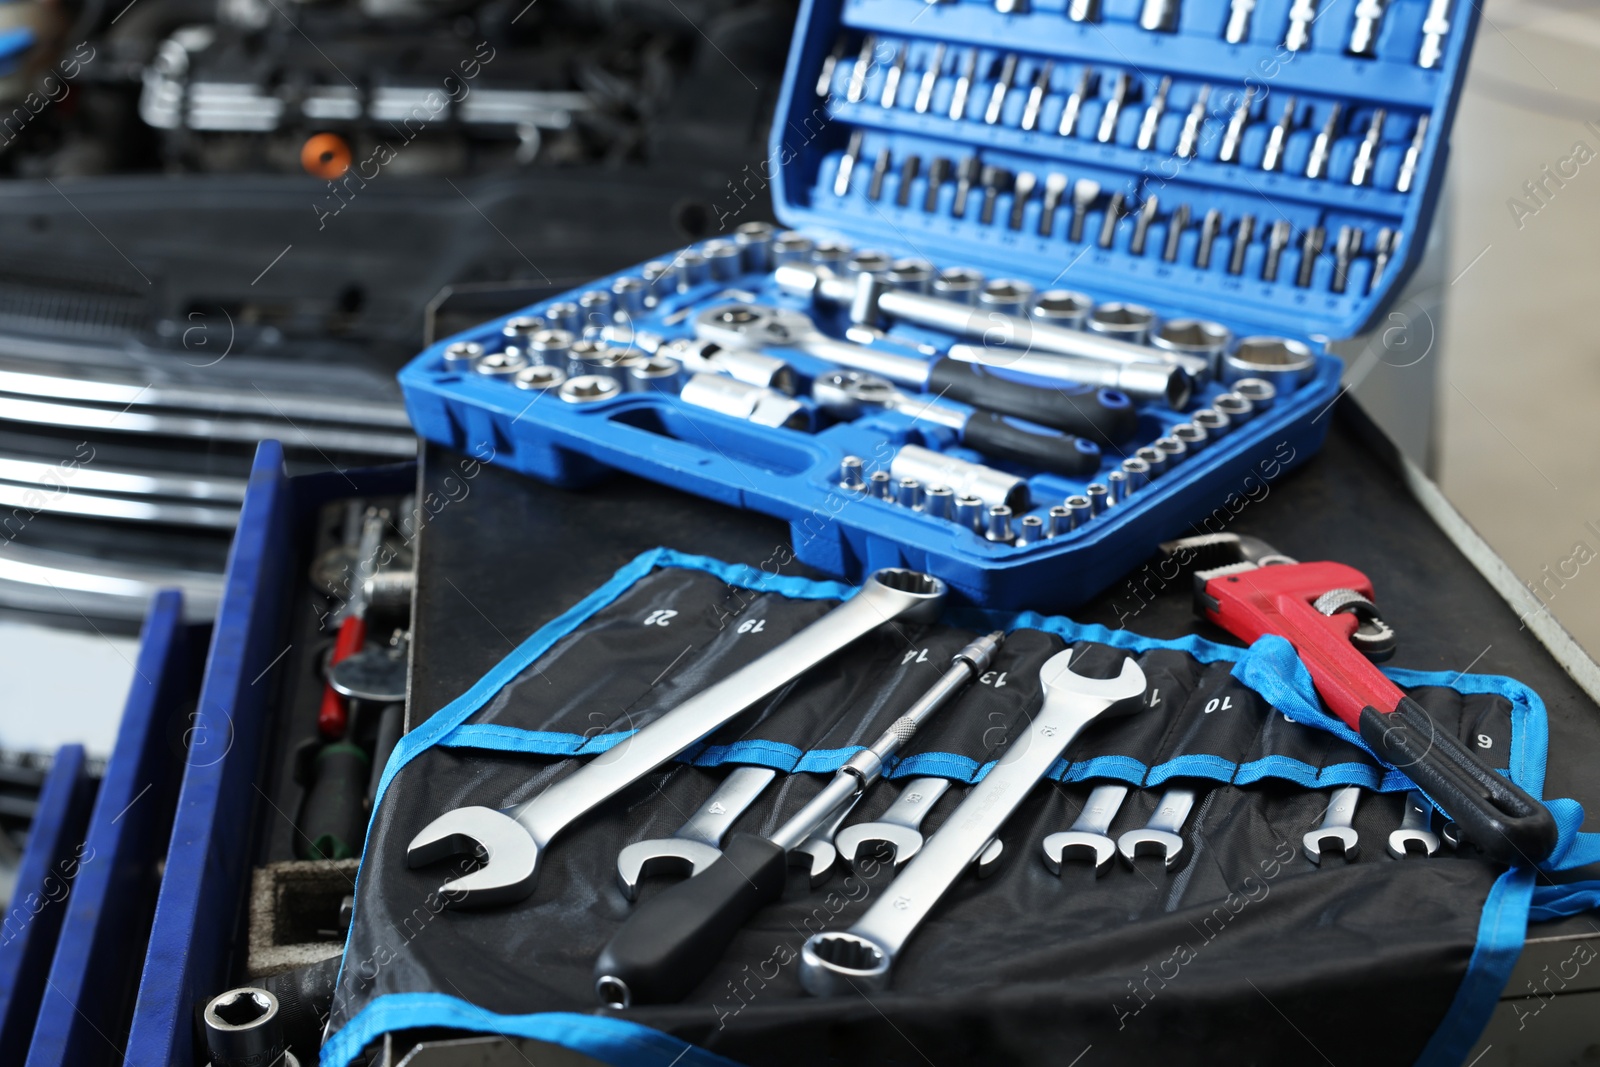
[{"x": 1325, "y": 611}]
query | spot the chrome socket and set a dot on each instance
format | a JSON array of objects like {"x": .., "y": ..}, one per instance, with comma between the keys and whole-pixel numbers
[
  {"x": 969, "y": 512},
  {"x": 1079, "y": 509},
  {"x": 1099, "y": 496},
  {"x": 997, "y": 526},
  {"x": 755, "y": 245},
  {"x": 692, "y": 269},
  {"x": 461, "y": 354},
  {"x": 658, "y": 374},
  {"x": 1260, "y": 392},
  {"x": 1138, "y": 472},
  {"x": 1190, "y": 436},
  {"x": 596, "y": 310},
  {"x": 501, "y": 364},
  {"x": 519, "y": 328},
  {"x": 564, "y": 315},
  {"x": 1193, "y": 337},
  {"x": 539, "y": 378},
  {"x": 940, "y": 502},
  {"x": 722, "y": 260},
  {"x": 850, "y": 474},
  {"x": 1172, "y": 450},
  {"x": 881, "y": 486},
  {"x": 660, "y": 280},
  {"x": 867, "y": 261},
  {"x": 791, "y": 247},
  {"x": 831, "y": 254},
  {"x": 550, "y": 348},
  {"x": 1007, "y": 296},
  {"x": 908, "y": 493},
  {"x": 1030, "y": 531},
  {"x": 1283, "y": 362},
  {"x": 1236, "y": 407},
  {"x": 1063, "y": 307},
  {"x": 741, "y": 400},
  {"x": 1213, "y": 422},
  {"x": 628, "y": 296},
  {"x": 589, "y": 389},
  {"x": 1060, "y": 520},
  {"x": 911, "y": 274},
  {"x": 1125, "y": 322},
  {"x": 958, "y": 284},
  {"x": 1154, "y": 459},
  {"x": 1117, "y": 483}
]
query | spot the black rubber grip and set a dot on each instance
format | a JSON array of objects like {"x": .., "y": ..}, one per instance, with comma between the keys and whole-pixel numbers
[
  {"x": 1047, "y": 450},
  {"x": 333, "y": 823},
  {"x": 1494, "y": 813},
  {"x": 1102, "y": 415},
  {"x": 671, "y": 941}
]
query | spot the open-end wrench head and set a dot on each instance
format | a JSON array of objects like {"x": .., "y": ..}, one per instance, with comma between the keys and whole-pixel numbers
[
  {"x": 837, "y": 962},
  {"x": 1400, "y": 842},
  {"x": 670, "y": 855},
  {"x": 1342, "y": 840},
  {"x": 1147, "y": 842},
  {"x": 509, "y": 853},
  {"x": 1057, "y": 675},
  {"x": 988, "y": 860},
  {"x": 864, "y": 843},
  {"x": 1078, "y": 845},
  {"x": 818, "y": 856}
]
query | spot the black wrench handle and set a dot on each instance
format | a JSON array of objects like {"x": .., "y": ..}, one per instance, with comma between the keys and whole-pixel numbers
[
  {"x": 1045, "y": 450},
  {"x": 1102, "y": 415},
  {"x": 1494, "y": 813},
  {"x": 671, "y": 941}
]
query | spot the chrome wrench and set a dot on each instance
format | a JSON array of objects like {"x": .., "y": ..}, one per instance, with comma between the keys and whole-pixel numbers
[
  {"x": 899, "y": 827},
  {"x": 1090, "y": 835},
  {"x": 1337, "y": 827},
  {"x": 835, "y": 962},
  {"x": 513, "y": 839},
  {"x": 698, "y": 842},
  {"x": 1415, "y": 829},
  {"x": 1163, "y": 834}
]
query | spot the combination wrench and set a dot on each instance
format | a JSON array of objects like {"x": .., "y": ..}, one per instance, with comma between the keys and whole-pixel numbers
[
  {"x": 899, "y": 827},
  {"x": 1089, "y": 413},
  {"x": 1415, "y": 829},
  {"x": 511, "y": 841},
  {"x": 672, "y": 940},
  {"x": 819, "y": 852},
  {"x": 1337, "y": 832},
  {"x": 698, "y": 842},
  {"x": 1163, "y": 834},
  {"x": 1089, "y": 836},
  {"x": 837, "y": 962}
]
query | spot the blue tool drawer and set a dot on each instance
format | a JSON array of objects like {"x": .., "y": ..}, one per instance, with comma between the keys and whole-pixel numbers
[{"x": 1178, "y": 156}]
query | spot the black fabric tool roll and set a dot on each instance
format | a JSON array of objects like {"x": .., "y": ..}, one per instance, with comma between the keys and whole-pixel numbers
[{"x": 1247, "y": 953}]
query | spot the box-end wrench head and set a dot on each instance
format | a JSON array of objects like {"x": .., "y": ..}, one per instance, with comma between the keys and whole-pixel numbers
[
  {"x": 861, "y": 958},
  {"x": 1088, "y": 837},
  {"x": 698, "y": 843},
  {"x": 1163, "y": 834},
  {"x": 1337, "y": 832},
  {"x": 511, "y": 841},
  {"x": 1414, "y": 830}
]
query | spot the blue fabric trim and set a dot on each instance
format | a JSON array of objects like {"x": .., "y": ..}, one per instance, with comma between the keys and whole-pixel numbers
[
  {"x": 941, "y": 764},
  {"x": 613, "y": 1041},
  {"x": 1501, "y": 932},
  {"x": 1196, "y": 765},
  {"x": 493, "y": 736},
  {"x": 1563, "y": 901},
  {"x": 1115, "y": 768}
]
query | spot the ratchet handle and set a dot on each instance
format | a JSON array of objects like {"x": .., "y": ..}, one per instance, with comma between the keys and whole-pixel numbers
[
  {"x": 1103, "y": 415},
  {"x": 1494, "y": 813},
  {"x": 671, "y": 941},
  {"x": 1046, "y": 450}
]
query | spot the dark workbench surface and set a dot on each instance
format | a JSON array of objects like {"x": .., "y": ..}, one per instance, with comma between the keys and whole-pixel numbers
[{"x": 505, "y": 554}]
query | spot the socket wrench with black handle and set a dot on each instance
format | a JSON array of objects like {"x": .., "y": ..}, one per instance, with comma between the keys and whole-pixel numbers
[{"x": 671, "y": 941}]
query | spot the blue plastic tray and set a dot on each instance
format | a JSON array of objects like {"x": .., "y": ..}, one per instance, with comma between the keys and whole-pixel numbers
[
  {"x": 793, "y": 474},
  {"x": 95, "y": 974},
  {"x": 32, "y": 923}
]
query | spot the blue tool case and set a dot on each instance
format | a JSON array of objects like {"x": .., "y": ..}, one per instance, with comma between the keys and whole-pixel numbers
[{"x": 1058, "y": 284}]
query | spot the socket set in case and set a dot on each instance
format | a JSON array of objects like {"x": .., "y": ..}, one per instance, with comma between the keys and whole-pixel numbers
[{"x": 1056, "y": 286}]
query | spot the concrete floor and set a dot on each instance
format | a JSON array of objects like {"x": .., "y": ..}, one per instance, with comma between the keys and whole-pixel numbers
[{"x": 1517, "y": 378}]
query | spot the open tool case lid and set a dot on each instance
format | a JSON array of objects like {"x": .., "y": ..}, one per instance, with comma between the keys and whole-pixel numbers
[{"x": 821, "y": 108}]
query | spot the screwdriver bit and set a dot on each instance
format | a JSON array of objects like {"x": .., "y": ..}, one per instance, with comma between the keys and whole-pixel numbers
[
  {"x": 969, "y": 71},
  {"x": 1233, "y": 136},
  {"x": 891, "y": 81},
  {"x": 1364, "y": 34},
  {"x": 1322, "y": 147},
  {"x": 1413, "y": 157},
  {"x": 1301, "y": 15},
  {"x": 1384, "y": 248},
  {"x": 1310, "y": 249},
  {"x": 1055, "y": 187},
  {"x": 1026, "y": 182},
  {"x": 1108, "y": 118},
  {"x": 930, "y": 79},
  {"x": 1036, "y": 95},
  {"x": 1238, "y": 28},
  {"x": 847, "y": 164},
  {"x": 880, "y": 170},
  {"x": 1278, "y": 139},
  {"x": 1084, "y": 194},
  {"x": 858, "y": 74},
  {"x": 967, "y": 173},
  {"x": 1175, "y": 228},
  {"x": 1243, "y": 235},
  {"x": 1074, "y": 105},
  {"x": 1150, "y": 125},
  {"x": 1193, "y": 123},
  {"x": 1435, "y": 27},
  {"x": 1367, "y": 154},
  {"x": 1002, "y": 86},
  {"x": 1108, "y": 226},
  {"x": 996, "y": 180},
  {"x": 938, "y": 174},
  {"x": 1345, "y": 250},
  {"x": 1141, "y": 225},
  {"x": 1210, "y": 226},
  {"x": 1277, "y": 241},
  {"x": 829, "y": 65},
  {"x": 908, "y": 174}
]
